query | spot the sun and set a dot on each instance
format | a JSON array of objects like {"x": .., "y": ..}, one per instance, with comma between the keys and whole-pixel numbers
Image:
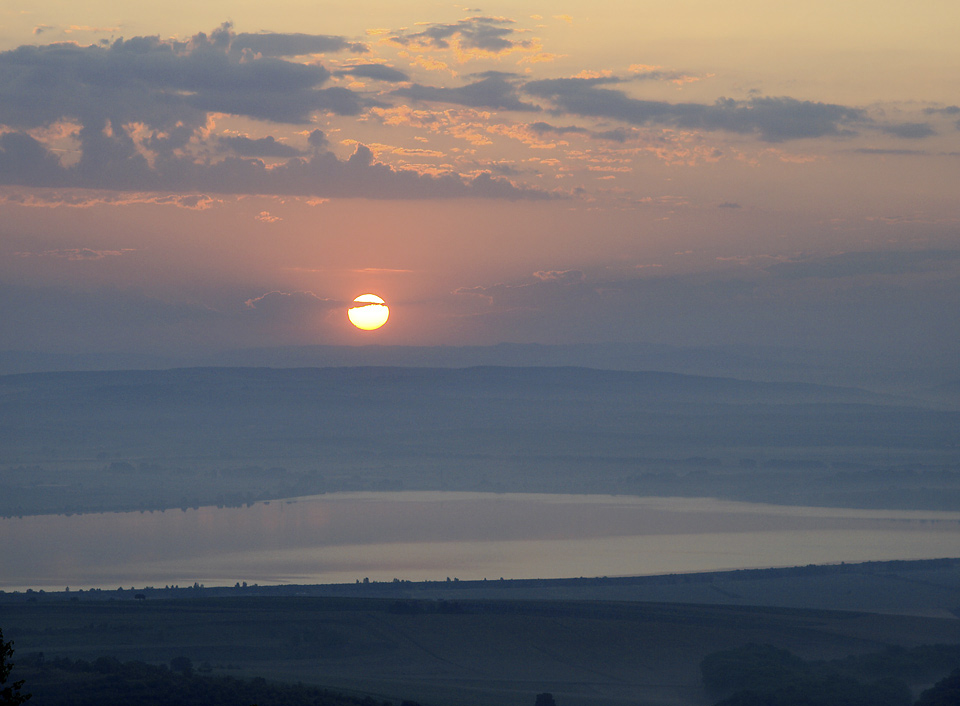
[{"x": 370, "y": 312}]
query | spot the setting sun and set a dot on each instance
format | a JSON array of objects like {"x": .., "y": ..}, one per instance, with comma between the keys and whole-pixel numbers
[{"x": 371, "y": 312}]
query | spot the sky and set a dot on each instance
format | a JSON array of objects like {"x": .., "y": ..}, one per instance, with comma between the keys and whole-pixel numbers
[{"x": 189, "y": 177}]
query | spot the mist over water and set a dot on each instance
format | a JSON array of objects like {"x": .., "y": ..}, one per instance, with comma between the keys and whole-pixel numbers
[{"x": 343, "y": 537}]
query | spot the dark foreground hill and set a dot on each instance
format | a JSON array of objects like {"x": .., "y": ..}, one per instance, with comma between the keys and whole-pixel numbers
[
  {"x": 149, "y": 439},
  {"x": 489, "y": 652}
]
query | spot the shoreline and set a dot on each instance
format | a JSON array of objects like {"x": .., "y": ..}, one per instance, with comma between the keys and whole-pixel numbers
[{"x": 454, "y": 588}]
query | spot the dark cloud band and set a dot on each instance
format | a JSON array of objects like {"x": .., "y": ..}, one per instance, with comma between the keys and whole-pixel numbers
[{"x": 773, "y": 119}]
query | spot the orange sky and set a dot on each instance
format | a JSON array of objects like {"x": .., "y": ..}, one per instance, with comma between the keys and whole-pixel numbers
[{"x": 692, "y": 173}]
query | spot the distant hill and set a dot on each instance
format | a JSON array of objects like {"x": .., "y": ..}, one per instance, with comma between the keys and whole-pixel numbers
[
  {"x": 169, "y": 438},
  {"x": 845, "y": 368},
  {"x": 290, "y": 384}
]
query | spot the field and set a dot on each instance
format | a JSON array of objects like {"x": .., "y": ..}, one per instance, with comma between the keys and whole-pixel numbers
[{"x": 470, "y": 645}]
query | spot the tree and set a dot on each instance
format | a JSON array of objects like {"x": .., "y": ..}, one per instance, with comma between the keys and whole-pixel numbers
[
  {"x": 945, "y": 692},
  {"x": 545, "y": 699},
  {"x": 182, "y": 664},
  {"x": 9, "y": 695}
]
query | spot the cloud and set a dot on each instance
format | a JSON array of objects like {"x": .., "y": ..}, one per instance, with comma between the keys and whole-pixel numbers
[
  {"x": 77, "y": 254},
  {"x": 270, "y": 44},
  {"x": 492, "y": 35},
  {"x": 162, "y": 83},
  {"x": 88, "y": 28},
  {"x": 377, "y": 72},
  {"x": 619, "y": 134},
  {"x": 856, "y": 264},
  {"x": 541, "y": 57},
  {"x": 548, "y": 290},
  {"x": 773, "y": 119},
  {"x": 382, "y": 271},
  {"x": 655, "y": 73},
  {"x": 278, "y": 105},
  {"x": 952, "y": 111},
  {"x": 266, "y": 217},
  {"x": 872, "y": 150},
  {"x": 947, "y": 110},
  {"x": 291, "y": 304},
  {"x": 144, "y": 109},
  {"x": 542, "y": 128},
  {"x": 909, "y": 131},
  {"x": 499, "y": 167},
  {"x": 563, "y": 276},
  {"x": 493, "y": 89},
  {"x": 72, "y": 198},
  {"x": 28, "y": 162},
  {"x": 263, "y": 147},
  {"x": 431, "y": 64},
  {"x": 113, "y": 162}
]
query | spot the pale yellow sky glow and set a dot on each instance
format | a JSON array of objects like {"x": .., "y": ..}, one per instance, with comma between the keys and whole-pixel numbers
[{"x": 744, "y": 172}]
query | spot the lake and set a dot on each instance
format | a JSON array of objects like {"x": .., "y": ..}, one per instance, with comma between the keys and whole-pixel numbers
[{"x": 342, "y": 537}]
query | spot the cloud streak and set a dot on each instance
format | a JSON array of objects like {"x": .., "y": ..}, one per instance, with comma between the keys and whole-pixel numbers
[
  {"x": 377, "y": 72},
  {"x": 857, "y": 264},
  {"x": 271, "y": 44},
  {"x": 288, "y": 303},
  {"x": 77, "y": 254},
  {"x": 772, "y": 119},
  {"x": 493, "y": 89}
]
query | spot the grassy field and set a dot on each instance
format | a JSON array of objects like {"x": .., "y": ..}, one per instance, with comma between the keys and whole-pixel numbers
[{"x": 470, "y": 652}]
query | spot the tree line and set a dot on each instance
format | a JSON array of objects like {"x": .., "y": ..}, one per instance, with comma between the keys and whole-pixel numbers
[{"x": 763, "y": 675}]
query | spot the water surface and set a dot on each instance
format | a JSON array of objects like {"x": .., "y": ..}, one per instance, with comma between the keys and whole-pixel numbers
[{"x": 343, "y": 537}]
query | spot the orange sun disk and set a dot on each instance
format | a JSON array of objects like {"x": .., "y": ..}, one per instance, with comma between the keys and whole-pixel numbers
[{"x": 370, "y": 314}]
